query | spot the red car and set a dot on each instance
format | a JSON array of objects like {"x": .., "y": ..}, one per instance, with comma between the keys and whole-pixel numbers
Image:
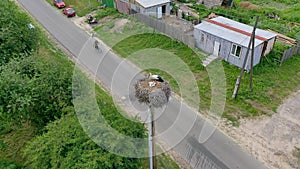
[
  {"x": 69, "y": 12},
  {"x": 59, "y": 3}
]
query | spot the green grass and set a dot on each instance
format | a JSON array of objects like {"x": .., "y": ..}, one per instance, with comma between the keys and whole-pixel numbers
[
  {"x": 165, "y": 162},
  {"x": 82, "y": 7},
  {"x": 272, "y": 82},
  {"x": 286, "y": 10},
  {"x": 297, "y": 154},
  {"x": 107, "y": 12},
  {"x": 12, "y": 142}
]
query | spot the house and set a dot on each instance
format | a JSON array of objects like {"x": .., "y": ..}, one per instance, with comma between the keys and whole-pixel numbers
[
  {"x": 228, "y": 40},
  {"x": 156, "y": 8}
]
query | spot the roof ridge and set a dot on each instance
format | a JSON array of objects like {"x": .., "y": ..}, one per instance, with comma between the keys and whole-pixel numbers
[{"x": 235, "y": 29}]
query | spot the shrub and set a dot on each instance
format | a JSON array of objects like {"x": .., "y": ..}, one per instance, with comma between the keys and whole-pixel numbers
[{"x": 16, "y": 38}]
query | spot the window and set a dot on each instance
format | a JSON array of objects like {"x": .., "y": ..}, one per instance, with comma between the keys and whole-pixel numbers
[
  {"x": 202, "y": 37},
  {"x": 236, "y": 50},
  {"x": 138, "y": 10}
]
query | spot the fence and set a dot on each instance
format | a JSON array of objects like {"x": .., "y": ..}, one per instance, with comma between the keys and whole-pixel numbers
[
  {"x": 167, "y": 29},
  {"x": 290, "y": 52}
]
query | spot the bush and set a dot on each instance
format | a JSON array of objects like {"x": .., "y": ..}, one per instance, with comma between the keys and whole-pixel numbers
[
  {"x": 65, "y": 145},
  {"x": 34, "y": 90},
  {"x": 16, "y": 38}
]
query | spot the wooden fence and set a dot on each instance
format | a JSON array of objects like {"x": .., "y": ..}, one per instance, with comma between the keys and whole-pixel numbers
[
  {"x": 167, "y": 29},
  {"x": 295, "y": 50}
]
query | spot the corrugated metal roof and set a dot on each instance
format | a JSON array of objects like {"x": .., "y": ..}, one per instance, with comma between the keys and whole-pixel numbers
[
  {"x": 150, "y": 3},
  {"x": 233, "y": 31}
]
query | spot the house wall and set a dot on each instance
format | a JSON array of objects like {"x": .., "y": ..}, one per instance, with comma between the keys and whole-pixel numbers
[
  {"x": 207, "y": 45},
  {"x": 152, "y": 11},
  {"x": 269, "y": 46}
]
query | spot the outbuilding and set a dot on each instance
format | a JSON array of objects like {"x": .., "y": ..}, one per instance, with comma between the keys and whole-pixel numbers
[
  {"x": 228, "y": 39},
  {"x": 156, "y": 8}
]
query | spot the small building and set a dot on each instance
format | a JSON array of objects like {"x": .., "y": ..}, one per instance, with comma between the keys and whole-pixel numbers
[
  {"x": 156, "y": 8},
  {"x": 228, "y": 40}
]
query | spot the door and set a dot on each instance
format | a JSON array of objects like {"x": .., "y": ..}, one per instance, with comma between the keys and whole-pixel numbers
[
  {"x": 216, "y": 48},
  {"x": 159, "y": 12}
]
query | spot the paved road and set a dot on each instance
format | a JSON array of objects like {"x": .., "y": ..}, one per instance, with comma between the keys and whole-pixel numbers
[{"x": 218, "y": 151}]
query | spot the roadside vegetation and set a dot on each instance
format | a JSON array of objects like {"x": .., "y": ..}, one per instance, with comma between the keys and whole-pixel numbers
[
  {"x": 38, "y": 124},
  {"x": 297, "y": 154}
]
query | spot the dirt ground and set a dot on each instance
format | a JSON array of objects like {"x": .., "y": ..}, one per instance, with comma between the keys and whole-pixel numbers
[{"x": 271, "y": 140}]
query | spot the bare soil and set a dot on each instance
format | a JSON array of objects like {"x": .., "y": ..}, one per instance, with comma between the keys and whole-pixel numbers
[{"x": 272, "y": 140}]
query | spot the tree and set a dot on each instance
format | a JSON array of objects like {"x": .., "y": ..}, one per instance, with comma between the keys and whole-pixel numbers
[{"x": 34, "y": 90}]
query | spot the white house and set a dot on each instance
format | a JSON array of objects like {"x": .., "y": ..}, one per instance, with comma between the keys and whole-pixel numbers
[
  {"x": 229, "y": 39},
  {"x": 156, "y": 8}
]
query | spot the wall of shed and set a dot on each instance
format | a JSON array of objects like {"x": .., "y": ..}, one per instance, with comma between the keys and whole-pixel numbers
[
  {"x": 152, "y": 11},
  {"x": 269, "y": 46},
  {"x": 225, "y": 46}
]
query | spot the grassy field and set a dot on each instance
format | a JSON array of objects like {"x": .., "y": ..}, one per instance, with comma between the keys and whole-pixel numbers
[
  {"x": 82, "y": 7},
  {"x": 272, "y": 82}
]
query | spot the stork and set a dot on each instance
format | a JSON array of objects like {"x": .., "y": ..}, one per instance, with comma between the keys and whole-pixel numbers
[{"x": 155, "y": 77}]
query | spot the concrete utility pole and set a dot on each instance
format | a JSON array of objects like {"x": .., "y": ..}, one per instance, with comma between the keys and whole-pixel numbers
[
  {"x": 154, "y": 92},
  {"x": 252, "y": 54},
  {"x": 239, "y": 79}
]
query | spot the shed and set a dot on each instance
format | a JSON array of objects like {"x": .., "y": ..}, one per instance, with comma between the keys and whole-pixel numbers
[
  {"x": 156, "y": 8},
  {"x": 229, "y": 39}
]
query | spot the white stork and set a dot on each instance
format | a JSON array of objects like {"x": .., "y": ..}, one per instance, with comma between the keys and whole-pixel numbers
[{"x": 155, "y": 77}]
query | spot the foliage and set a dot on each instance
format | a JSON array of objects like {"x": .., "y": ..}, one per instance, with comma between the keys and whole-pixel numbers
[
  {"x": 65, "y": 145},
  {"x": 289, "y": 14},
  {"x": 34, "y": 90},
  {"x": 298, "y": 152},
  {"x": 16, "y": 38},
  {"x": 8, "y": 164},
  {"x": 286, "y": 23},
  {"x": 13, "y": 141},
  {"x": 107, "y": 12}
]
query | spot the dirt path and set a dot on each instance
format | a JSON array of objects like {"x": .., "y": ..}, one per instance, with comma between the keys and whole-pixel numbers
[{"x": 272, "y": 140}]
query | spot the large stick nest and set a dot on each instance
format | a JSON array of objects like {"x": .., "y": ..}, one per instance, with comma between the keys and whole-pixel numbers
[{"x": 156, "y": 96}]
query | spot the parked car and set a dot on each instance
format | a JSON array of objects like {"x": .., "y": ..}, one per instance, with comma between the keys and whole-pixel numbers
[
  {"x": 69, "y": 12},
  {"x": 59, "y": 3}
]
